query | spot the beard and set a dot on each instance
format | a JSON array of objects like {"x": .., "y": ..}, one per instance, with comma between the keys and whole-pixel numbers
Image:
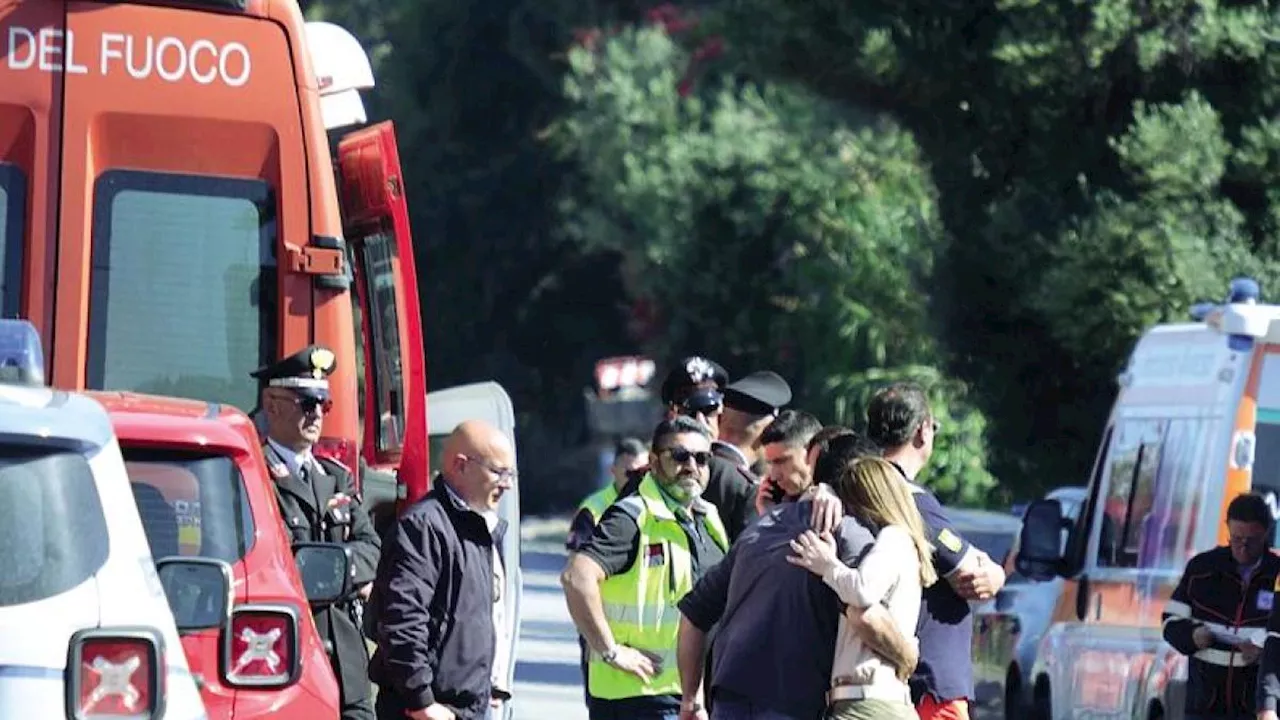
[{"x": 684, "y": 488}]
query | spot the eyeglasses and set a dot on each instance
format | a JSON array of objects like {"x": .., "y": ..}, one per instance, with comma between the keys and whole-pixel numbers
[
  {"x": 503, "y": 474},
  {"x": 683, "y": 455}
]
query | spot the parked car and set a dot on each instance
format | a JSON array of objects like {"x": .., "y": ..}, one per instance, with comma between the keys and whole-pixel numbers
[
  {"x": 202, "y": 488},
  {"x": 1007, "y": 632},
  {"x": 84, "y": 627}
]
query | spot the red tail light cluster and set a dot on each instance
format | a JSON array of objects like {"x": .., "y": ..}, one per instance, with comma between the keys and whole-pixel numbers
[
  {"x": 260, "y": 649},
  {"x": 115, "y": 673}
]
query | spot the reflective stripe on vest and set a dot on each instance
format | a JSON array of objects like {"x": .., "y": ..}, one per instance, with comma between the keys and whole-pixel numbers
[
  {"x": 640, "y": 604},
  {"x": 599, "y": 501}
]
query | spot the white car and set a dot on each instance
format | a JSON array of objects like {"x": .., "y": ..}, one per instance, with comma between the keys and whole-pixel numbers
[{"x": 85, "y": 629}]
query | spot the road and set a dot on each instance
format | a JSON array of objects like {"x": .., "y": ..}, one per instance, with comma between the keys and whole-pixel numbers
[{"x": 548, "y": 680}]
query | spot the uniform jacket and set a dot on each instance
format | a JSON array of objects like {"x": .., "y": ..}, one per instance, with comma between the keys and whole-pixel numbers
[
  {"x": 1212, "y": 594},
  {"x": 304, "y": 520}
]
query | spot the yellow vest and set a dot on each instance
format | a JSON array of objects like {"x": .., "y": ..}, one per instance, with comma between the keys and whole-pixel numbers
[
  {"x": 640, "y": 603},
  {"x": 599, "y": 501}
]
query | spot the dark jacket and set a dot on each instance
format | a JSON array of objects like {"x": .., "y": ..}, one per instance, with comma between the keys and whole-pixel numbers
[
  {"x": 768, "y": 608},
  {"x": 303, "y": 508},
  {"x": 1212, "y": 594},
  {"x": 434, "y": 598}
]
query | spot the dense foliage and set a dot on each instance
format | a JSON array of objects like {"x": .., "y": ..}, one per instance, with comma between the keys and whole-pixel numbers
[{"x": 992, "y": 195}]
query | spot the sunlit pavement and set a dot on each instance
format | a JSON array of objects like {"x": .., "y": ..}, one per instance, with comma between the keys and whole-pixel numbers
[{"x": 548, "y": 679}]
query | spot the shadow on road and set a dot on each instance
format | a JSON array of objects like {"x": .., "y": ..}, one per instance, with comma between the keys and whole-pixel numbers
[
  {"x": 539, "y": 561},
  {"x": 548, "y": 673}
]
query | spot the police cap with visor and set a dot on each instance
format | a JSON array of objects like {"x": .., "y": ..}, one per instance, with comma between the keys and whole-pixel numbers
[
  {"x": 696, "y": 384},
  {"x": 305, "y": 372},
  {"x": 760, "y": 393}
]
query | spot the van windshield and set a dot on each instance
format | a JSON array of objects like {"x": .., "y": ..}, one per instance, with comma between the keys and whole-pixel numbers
[
  {"x": 191, "y": 505},
  {"x": 53, "y": 535}
]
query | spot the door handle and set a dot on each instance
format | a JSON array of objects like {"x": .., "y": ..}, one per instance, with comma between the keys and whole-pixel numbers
[{"x": 1097, "y": 606}]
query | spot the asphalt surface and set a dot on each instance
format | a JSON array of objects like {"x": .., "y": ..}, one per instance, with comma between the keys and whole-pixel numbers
[{"x": 548, "y": 679}]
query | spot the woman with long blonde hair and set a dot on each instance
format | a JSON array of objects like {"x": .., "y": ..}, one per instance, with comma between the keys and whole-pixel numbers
[{"x": 893, "y": 573}]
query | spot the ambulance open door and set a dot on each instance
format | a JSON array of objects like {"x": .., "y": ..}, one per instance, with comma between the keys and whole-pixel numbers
[{"x": 486, "y": 401}]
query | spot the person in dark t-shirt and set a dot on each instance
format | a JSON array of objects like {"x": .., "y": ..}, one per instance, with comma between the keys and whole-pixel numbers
[{"x": 900, "y": 422}]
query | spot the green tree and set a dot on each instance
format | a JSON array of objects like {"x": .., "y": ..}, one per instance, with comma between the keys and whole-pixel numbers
[
  {"x": 1099, "y": 166},
  {"x": 770, "y": 228}
]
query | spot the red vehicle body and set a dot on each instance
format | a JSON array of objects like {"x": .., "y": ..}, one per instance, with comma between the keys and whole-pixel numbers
[{"x": 203, "y": 462}]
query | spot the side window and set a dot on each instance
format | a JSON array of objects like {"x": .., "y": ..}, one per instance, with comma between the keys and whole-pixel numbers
[
  {"x": 183, "y": 289},
  {"x": 1078, "y": 540},
  {"x": 1130, "y": 492},
  {"x": 377, "y": 264},
  {"x": 13, "y": 209},
  {"x": 1169, "y": 528}
]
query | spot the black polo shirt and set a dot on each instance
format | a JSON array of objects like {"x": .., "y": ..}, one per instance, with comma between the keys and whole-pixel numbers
[{"x": 945, "y": 629}]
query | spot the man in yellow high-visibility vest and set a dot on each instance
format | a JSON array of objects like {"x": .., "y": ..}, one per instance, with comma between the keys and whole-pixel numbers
[
  {"x": 623, "y": 584},
  {"x": 630, "y": 456}
]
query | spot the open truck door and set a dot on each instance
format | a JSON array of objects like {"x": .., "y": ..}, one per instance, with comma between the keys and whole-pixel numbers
[
  {"x": 486, "y": 401},
  {"x": 380, "y": 247}
]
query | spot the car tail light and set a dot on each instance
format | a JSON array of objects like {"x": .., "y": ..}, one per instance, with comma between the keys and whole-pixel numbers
[
  {"x": 340, "y": 451},
  {"x": 115, "y": 673},
  {"x": 260, "y": 649}
]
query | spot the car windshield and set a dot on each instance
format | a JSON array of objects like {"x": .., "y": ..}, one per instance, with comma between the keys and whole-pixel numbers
[
  {"x": 191, "y": 504},
  {"x": 53, "y": 535}
]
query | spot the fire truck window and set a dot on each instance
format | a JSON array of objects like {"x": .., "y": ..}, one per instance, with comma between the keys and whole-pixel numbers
[
  {"x": 13, "y": 208},
  {"x": 182, "y": 294},
  {"x": 41, "y": 553},
  {"x": 377, "y": 256},
  {"x": 191, "y": 505},
  {"x": 1168, "y": 529},
  {"x": 1130, "y": 492}
]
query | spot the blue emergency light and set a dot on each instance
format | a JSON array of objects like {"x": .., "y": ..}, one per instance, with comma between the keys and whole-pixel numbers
[{"x": 21, "y": 354}]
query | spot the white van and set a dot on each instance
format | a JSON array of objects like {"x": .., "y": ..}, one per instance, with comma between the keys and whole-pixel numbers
[
  {"x": 1196, "y": 422},
  {"x": 85, "y": 629}
]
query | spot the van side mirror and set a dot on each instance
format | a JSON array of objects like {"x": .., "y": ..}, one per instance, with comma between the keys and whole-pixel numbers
[
  {"x": 325, "y": 569},
  {"x": 198, "y": 590},
  {"x": 1040, "y": 543}
]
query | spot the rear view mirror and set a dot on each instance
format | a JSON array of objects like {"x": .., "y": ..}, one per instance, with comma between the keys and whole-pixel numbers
[
  {"x": 325, "y": 569},
  {"x": 1040, "y": 543},
  {"x": 198, "y": 590}
]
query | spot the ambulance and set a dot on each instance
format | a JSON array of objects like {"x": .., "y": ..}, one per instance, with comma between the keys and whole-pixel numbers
[
  {"x": 1196, "y": 421},
  {"x": 85, "y": 627}
]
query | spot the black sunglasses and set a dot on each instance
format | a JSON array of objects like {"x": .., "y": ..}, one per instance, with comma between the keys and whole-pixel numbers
[{"x": 682, "y": 455}]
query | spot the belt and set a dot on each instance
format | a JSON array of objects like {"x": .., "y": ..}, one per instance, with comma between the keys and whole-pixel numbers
[{"x": 869, "y": 692}]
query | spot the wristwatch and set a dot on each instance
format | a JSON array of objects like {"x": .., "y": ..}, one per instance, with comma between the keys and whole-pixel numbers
[
  {"x": 691, "y": 706},
  {"x": 610, "y": 655}
]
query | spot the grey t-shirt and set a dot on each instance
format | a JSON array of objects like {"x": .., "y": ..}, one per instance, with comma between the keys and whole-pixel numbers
[{"x": 773, "y": 614}]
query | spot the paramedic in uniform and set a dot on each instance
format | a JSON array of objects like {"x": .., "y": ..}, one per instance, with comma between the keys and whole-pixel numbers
[
  {"x": 318, "y": 502},
  {"x": 1217, "y": 617},
  {"x": 900, "y": 422},
  {"x": 622, "y": 586}
]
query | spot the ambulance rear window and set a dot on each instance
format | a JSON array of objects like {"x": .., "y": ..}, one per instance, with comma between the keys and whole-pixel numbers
[
  {"x": 53, "y": 535},
  {"x": 182, "y": 295},
  {"x": 13, "y": 208},
  {"x": 191, "y": 505}
]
